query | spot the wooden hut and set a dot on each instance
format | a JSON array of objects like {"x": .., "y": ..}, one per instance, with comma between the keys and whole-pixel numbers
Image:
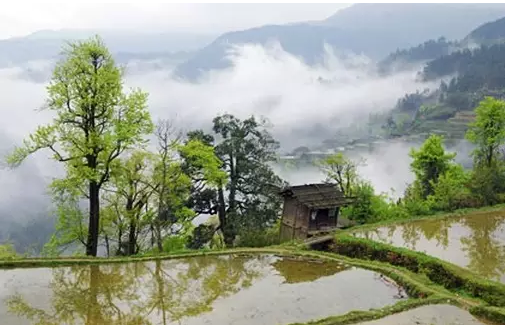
[{"x": 310, "y": 210}]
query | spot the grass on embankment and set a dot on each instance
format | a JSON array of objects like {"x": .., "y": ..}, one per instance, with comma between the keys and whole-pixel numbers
[
  {"x": 438, "y": 215},
  {"x": 354, "y": 317},
  {"x": 450, "y": 276},
  {"x": 493, "y": 314}
]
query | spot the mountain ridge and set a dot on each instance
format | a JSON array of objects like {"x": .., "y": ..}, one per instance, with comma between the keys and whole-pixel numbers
[{"x": 340, "y": 31}]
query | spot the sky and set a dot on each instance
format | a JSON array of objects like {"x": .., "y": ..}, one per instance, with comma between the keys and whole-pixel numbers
[{"x": 148, "y": 15}]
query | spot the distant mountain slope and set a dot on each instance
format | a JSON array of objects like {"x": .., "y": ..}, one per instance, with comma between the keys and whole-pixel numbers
[
  {"x": 46, "y": 45},
  {"x": 489, "y": 33},
  {"x": 374, "y": 29},
  {"x": 417, "y": 22},
  {"x": 406, "y": 58},
  {"x": 303, "y": 40}
]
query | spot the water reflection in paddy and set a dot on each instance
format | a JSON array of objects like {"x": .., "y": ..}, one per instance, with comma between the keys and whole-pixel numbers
[
  {"x": 475, "y": 241},
  {"x": 262, "y": 289}
]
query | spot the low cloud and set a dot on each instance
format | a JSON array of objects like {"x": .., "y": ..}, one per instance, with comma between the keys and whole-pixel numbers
[{"x": 293, "y": 95}]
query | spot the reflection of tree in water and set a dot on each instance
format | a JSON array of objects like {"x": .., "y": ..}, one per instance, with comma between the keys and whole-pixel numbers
[
  {"x": 486, "y": 254},
  {"x": 437, "y": 230},
  {"x": 199, "y": 282},
  {"x": 163, "y": 290},
  {"x": 300, "y": 270},
  {"x": 84, "y": 295},
  {"x": 410, "y": 234},
  {"x": 377, "y": 234}
]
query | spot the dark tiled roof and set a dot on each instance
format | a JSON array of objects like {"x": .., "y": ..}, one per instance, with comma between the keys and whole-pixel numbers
[{"x": 318, "y": 196}]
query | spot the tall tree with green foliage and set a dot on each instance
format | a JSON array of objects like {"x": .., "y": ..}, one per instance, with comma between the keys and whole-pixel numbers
[
  {"x": 249, "y": 199},
  {"x": 246, "y": 150},
  {"x": 95, "y": 122},
  {"x": 487, "y": 132},
  {"x": 429, "y": 162}
]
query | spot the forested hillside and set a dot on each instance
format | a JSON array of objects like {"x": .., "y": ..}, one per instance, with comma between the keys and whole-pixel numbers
[
  {"x": 488, "y": 33},
  {"x": 467, "y": 75}
]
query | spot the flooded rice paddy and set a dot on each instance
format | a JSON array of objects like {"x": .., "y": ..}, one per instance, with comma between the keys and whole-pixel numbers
[
  {"x": 474, "y": 241},
  {"x": 233, "y": 289},
  {"x": 429, "y": 315}
]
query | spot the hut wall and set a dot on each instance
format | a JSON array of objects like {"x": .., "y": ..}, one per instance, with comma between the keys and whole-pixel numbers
[
  {"x": 289, "y": 213},
  {"x": 295, "y": 220},
  {"x": 302, "y": 221}
]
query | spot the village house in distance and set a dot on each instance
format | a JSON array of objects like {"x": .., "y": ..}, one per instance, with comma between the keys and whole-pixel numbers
[{"x": 310, "y": 210}]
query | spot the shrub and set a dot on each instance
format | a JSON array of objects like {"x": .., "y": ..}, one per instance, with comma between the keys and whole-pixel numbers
[
  {"x": 487, "y": 183},
  {"x": 259, "y": 237},
  {"x": 371, "y": 207},
  {"x": 7, "y": 251},
  {"x": 493, "y": 314},
  {"x": 201, "y": 236},
  {"x": 174, "y": 243},
  {"x": 450, "y": 192}
]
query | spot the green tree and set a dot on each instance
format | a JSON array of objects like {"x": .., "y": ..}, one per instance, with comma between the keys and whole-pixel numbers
[
  {"x": 451, "y": 191},
  {"x": 95, "y": 123},
  {"x": 487, "y": 132},
  {"x": 7, "y": 251},
  {"x": 249, "y": 199},
  {"x": 342, "y": 170},
  {"x": 429, "y": 162},
  {"x": 246, "y": 150}
]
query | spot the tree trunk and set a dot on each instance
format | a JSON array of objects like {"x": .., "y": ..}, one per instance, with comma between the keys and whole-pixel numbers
[
  {"x": 132, "y": 238},
  {"x": 107, "y": 245},
  {"x": 159, "y": 240},
  {"x": 94, "y": 219},
  {"x": 490, "y": 154},
  {"x": 228, "y": 236},
  {"x": 119, "y": 241}
]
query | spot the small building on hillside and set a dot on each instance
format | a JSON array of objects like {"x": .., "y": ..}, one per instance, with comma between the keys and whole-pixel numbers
[{"x": 310, "y": 210}]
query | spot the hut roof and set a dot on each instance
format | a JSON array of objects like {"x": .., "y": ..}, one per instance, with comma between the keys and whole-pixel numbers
[{"x": 318, "y": 196}]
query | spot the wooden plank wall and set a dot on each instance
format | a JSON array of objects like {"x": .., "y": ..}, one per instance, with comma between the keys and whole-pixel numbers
[{"x": 295, "y": 219}]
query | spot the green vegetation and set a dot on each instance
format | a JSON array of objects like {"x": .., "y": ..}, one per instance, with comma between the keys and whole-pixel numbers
[
  {"x": 471, "y": 75},
  {"x": 493, "y": 314},
  {"x": 95, "y": 123},
  {"x": 450, "y": 276},
  {"x": 440, "y": 185},
  {"x": 7, "y": 251},
  {"x": 355, "y": 317}
]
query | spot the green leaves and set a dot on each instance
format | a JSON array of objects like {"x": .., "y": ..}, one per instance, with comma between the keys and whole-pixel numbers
[
  {"x": 341, "y": 170},
  {"x": 7, "y": 251},
  {"x": 429, "y": 162},
  {"x": 95, "y": 123},
  {"x": 488, "y": 130},
  {"x": 203, "y": 156}
]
